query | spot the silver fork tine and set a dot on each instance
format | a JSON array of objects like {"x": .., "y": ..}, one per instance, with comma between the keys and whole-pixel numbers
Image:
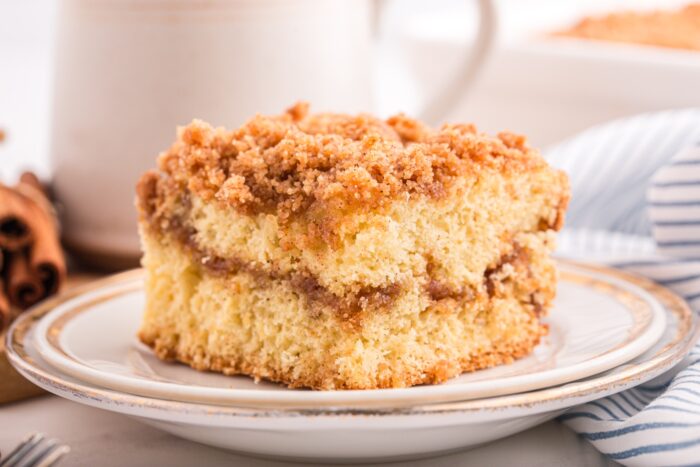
[
  {"x": 54, "y": 456},
  {"x": 38, "y": 453},
  {"x": 22, "y": 449}
]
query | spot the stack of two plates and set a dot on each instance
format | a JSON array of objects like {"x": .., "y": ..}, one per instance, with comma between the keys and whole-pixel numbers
[{"x": 608, "y": 331}]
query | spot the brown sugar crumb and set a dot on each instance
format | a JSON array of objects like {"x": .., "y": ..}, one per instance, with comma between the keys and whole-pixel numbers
[
  {"x": 678, "y": 29},
  {"x": 299, "y": 162},
  {"x": 409, "y": 129}
]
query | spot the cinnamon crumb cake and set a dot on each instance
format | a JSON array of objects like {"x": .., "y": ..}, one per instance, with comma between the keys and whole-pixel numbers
[
  {"x": 679, "y": 29},
  {"x": 346, "y": 252}
]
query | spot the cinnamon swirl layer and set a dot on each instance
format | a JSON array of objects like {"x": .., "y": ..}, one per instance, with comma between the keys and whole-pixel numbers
[{"x": 239, "y": 322}]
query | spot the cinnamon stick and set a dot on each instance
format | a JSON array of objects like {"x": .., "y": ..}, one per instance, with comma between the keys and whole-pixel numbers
[
  {"x": 45, "y": 255},
  {"x": 5, "y": 310},
  {"x": 14, "y": 227},
  {"x": 24, "y": 288},
  {"x": 32, "y": 265}
]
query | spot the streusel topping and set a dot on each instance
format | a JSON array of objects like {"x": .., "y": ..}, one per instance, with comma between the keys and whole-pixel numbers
[{"x": 297, "y": 161}]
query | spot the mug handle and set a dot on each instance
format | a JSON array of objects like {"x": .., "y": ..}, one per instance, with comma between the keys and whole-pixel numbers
[{"x": 452, "y": 93}]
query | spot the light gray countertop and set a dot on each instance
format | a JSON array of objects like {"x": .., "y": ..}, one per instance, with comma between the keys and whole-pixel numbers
[{"x": 99, "y": 438}]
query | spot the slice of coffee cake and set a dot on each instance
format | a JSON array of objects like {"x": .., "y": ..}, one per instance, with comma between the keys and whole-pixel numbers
[{"x": 346, "y": 252}]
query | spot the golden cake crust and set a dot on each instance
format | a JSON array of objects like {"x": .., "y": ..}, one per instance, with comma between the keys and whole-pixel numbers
[{"x": 503, "y": 352}]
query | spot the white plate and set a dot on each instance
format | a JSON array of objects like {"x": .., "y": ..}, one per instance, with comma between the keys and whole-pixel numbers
[
  {"x": 598, "y": 322},
  {"x": 340, "y": 434}
]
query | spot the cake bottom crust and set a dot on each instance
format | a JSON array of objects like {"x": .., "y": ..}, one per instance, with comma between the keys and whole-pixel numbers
[
  {"x": 501, "y": 353},
  {"x": 234, "y": 325}
]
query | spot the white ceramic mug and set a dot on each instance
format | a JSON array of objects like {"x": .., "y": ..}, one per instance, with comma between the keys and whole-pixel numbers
[{"x": 129, "y": 71}]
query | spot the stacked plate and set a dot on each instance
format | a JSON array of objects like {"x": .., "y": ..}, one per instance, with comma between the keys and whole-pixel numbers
[{"x": 608, "y": 331}]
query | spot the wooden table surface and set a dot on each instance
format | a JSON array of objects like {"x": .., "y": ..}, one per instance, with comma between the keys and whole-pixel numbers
[{"x": 13, "y": 386}]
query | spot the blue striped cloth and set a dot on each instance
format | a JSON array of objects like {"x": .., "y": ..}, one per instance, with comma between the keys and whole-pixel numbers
[{"x": 636, "y": 205}]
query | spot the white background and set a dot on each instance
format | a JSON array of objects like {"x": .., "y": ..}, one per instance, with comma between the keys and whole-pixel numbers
[{"x": 407, "y": 72}]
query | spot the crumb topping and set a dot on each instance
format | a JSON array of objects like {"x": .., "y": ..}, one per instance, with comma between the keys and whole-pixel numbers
[
  {"x": 678, "y": 29},
  {"x": 299, "y": 162}
]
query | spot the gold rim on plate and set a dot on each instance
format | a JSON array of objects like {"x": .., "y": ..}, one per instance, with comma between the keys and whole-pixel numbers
[{"x": 627, "y": 375}]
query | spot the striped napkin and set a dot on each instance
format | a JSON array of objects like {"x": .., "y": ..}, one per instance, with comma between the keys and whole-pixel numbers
[{"x": 636, "y": 205}]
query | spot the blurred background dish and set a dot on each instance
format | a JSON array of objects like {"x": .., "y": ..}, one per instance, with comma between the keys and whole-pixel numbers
[
  {"x": 546, "y": 86},
  {"x": 675, "y": 29}
]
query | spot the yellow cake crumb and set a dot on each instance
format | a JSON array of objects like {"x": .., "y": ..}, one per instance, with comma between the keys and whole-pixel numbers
[{"x": 346, "y": 252}]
